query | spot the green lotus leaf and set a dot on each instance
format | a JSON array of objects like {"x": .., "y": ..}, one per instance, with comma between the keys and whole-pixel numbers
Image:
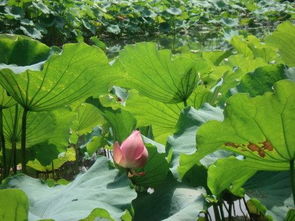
[
  {"x": 243, "y": 65},
  {"x": 261, "y": 80},
  {"x": 283, "y": 39},
  {"x": 21, "y": 50},
  {"x": 45, "y": 153},
  {"x": 98, "y": 214},
  {"x": 241, "y": 46},
  {"x": 63, "y": 157},
  {"x": 5, "y": 100},
  {"x": 240, "y": 65},
  {"x": 14, "y": 205},
  {"x": 100, "y": 187},
  {"x": 158, "y": 74},
  {"x": 229, "y": 173},
  {"x": 41, "y": 126},
  {"x": 121, "y": 121},
  {"x": 87, "y": 117},
  {"x": 161, "y": 116},
  {"x": 94, "y": 144},
  {"x": 252, "y": 47},
  {"x": 260, "y": 128},
  {"x": 65, "y": 78},
  {"x": 290, "y": 215},
  {"x": 216, "y": 57},
  {"x": 155, "y": 171}
]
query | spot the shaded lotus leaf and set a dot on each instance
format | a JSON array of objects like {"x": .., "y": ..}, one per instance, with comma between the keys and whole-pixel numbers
[
  {"x": 155, "y": 170},
  {"x": 273, "y": 190},
  {"x": 21, "y": 50},
  {"x": 56, "y": 163},
  {"x": 261, "y": 80},
  {"x": 171, "y": 201}
]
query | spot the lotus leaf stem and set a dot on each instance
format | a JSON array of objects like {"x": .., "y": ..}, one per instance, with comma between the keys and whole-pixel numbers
[{"x": 23, "y": 139}]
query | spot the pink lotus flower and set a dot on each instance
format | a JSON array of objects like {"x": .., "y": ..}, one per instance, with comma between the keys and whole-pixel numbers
[{"x": 132, "y": 153}]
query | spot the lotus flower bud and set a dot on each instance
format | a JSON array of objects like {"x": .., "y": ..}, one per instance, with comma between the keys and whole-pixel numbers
[{"x": 132, "y": 153}]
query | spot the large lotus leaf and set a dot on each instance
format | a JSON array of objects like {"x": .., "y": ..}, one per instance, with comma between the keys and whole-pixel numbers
[
  {"x": 229, "y": 173},
  {"x": 240, "y": 65},
  {"x": 158, "y": 74},
  {"x": 21, "y": 50},
  {"x": 14, "y": 205},
  {"x": 162, "y": 116},
  {"x": 5, "y": 100},
  {"x": 100, "y": 187},
  {"x": 283, "y": 39},
  {"x": 260, "y": 128},
  {"x": 273, "y": 190},
  {"x": 240, "y": 44},
  {"x": 87, "y": 117},
  {"x": 65, "y": 78},
  {"x": 122, "y": 122},
  {"x": 61, "y": 134},
  {"x": 261, "y": 80},
  {"x": 41, "y": 126},
  {"x": 183, "y": 140},
  {"x": 171, "y": 201}
]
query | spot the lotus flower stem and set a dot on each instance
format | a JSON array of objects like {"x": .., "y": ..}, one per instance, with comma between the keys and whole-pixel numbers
[
  {"x": 185, "y": 103},
  {"x": 2, "y": 142},
  {"x": 23, "y": 139},
  {"x": 292, "y": 178}
]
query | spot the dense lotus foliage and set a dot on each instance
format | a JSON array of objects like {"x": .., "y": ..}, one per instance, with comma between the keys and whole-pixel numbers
[
  {"x": 177, "y": 24},
  {"x": 151, "y": 134}
]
